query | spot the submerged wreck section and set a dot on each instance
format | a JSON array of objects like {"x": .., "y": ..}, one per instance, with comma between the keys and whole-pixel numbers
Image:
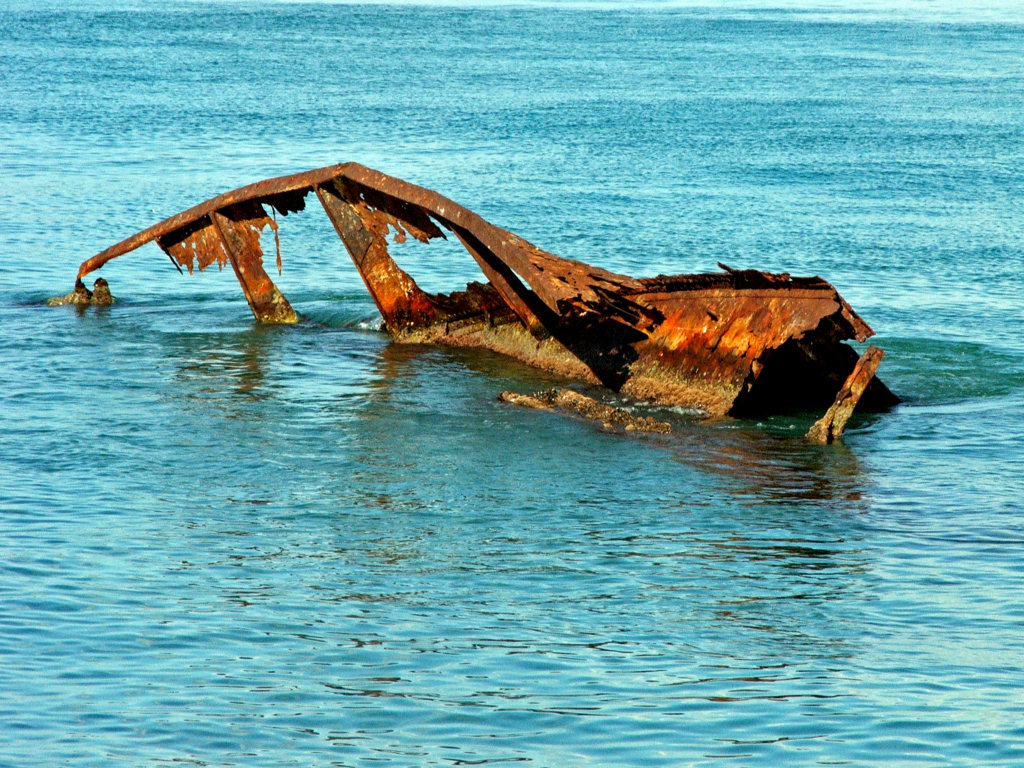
[
  {"x": 739, "y": 342},
  {"x": 570, "y": 401}
]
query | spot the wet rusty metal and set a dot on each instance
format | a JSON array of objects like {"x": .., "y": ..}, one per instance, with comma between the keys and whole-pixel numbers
[
  {"x": 364, "y": 232},
  {"x": 231, "y": 235},
  {"x": 238, "y": 227},
  {"x": 830, "y": 427},
  {"x": 738, "y": 341}
]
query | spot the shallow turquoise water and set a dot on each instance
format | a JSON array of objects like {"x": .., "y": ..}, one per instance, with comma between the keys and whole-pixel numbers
[{"x": 231, "y": 545}]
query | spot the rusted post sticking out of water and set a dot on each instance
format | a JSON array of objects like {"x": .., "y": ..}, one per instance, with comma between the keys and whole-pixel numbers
[
  {"x": 830, "y": 426},
  {"x": 401, "y": 302},
  {"x": 239, "y": 231}
]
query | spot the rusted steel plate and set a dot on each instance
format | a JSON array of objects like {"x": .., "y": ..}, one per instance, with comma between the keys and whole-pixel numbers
[
  {"x": 740, "y": 341},
  {"x": 727, "y": 334}
]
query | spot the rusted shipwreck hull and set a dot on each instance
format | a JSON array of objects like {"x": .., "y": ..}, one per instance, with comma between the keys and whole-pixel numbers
[{"x": 736, "y": 342}]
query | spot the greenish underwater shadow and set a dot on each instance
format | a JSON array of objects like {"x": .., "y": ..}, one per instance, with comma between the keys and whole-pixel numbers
[
  {"x": 398, "y": 481},
  {"x": 364, "y": 378},
  {"x": 760, "y": 461}
]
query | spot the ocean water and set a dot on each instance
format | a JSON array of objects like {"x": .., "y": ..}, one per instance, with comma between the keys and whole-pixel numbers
[{"x": 230, "y": 545}]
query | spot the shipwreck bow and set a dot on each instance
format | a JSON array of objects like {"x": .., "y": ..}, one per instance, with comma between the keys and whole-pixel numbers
[{"x": 737, "y": 341}]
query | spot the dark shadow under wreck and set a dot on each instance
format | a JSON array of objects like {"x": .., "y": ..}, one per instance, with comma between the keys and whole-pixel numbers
[{"x": 738, "y": 342}]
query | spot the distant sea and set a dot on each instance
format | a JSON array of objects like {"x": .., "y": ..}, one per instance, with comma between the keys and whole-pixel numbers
[{"x": 230, "y": 545}]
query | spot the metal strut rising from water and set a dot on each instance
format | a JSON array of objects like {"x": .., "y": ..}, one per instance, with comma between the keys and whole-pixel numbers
[{"x": 739, "y": 342}]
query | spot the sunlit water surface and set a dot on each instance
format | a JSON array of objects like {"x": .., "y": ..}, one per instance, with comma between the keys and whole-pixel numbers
[{"x": 224, "y": 544}]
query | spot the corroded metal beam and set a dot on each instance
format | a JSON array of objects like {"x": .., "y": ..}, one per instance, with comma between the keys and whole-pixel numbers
[
  {"x": 239, "y": 229},
  {"x": 830, "y": 427},
  {"x": 401, "y": 302},
  {"x": 737, "y": 341}
]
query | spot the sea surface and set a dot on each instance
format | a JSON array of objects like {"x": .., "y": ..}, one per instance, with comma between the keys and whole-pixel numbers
[{"x": 223, "y": 544}]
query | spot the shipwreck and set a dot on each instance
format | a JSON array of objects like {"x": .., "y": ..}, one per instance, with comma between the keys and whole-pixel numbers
[{"x": 736, "y": 342}]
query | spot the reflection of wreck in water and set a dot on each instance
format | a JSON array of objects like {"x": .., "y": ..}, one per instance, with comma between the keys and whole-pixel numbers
[{"x": 736, "y": 342}]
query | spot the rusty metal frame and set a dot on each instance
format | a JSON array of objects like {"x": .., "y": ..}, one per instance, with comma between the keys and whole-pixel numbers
[{"x": 737, "y": 341}]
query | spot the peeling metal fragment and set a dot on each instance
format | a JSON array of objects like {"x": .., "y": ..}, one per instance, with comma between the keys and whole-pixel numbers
[
  {"x": 738, "y": 342},
  {"x": 197, "y": 244}
]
